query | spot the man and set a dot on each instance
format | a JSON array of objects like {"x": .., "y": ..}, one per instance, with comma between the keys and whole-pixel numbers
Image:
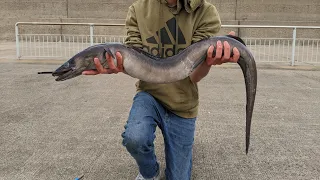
[{"x": 163, "y": 28}]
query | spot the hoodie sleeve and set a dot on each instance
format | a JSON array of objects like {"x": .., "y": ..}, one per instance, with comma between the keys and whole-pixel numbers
[
  {"x": 208, "y": 26},
  {"x": 133, "y": 34}
]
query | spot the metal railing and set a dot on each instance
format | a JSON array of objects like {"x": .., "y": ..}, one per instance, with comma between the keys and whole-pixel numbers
[{"x": 273, "y": 49}]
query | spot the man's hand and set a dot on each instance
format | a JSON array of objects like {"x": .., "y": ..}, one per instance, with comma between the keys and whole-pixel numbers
[
  {"x": 218, "y": 59},
  {"x": 112, "y": 68},
  {"x": 202, "y": 70}
]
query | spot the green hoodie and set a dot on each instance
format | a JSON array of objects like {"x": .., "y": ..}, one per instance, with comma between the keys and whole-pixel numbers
[{"x": 164, "y": 31}]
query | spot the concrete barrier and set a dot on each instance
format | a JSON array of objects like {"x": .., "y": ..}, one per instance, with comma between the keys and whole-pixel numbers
[
  {"x": 278, "y": 10},
  {"x": 273, "y": 12}
]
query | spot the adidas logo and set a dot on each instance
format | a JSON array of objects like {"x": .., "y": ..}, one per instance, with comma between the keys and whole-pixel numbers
[{"x": 169, "y": 38}]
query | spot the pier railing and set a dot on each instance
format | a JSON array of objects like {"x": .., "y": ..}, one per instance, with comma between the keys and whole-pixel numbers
[{"x": 291, "y": 49}]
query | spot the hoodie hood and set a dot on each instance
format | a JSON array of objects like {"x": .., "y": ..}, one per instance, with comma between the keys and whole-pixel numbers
[{"x": 188, "y": 5}]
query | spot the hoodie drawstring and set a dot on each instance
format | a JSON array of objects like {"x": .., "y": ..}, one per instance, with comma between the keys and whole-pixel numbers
[
  {"x": 159, "y": 28},
  {"x": 177, "y": 36}
]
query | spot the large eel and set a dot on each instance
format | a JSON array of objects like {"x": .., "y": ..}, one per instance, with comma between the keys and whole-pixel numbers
[{"x": 144, "y": 66}]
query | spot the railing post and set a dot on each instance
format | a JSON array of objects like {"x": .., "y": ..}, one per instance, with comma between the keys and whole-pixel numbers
[
  {"x": 91, "y": 34},
  {"x": 17, "y": 41},
  {"x": 293, "y": 45}
]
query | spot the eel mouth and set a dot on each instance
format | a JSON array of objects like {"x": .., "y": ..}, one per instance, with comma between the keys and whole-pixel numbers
[
  {"x": 60, "y": 72},
  {"x": 68, "y": 73}
]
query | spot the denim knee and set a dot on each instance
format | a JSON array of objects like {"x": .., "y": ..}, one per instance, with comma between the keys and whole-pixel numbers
[{"x": 137, "y": 142}]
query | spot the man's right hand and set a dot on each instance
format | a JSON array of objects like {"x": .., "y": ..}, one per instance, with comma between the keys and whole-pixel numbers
[{"x": 112, "y": 68}]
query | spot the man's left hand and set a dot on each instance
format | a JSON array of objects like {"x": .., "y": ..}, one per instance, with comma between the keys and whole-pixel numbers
[{"x": 218, "y": 59}]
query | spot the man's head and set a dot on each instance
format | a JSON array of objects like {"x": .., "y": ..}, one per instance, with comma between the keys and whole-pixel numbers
[
  {"x": 188, "y": 5},
  {"x": 172, "y": 2}
]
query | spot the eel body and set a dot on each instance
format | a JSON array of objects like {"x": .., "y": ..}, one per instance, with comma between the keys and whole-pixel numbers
[{"x": 146, "y": 67}]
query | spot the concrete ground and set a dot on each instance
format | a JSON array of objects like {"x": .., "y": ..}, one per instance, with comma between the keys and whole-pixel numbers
[{"x": 63, "y": 130}]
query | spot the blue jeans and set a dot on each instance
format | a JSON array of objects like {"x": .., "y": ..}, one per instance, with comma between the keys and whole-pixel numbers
[{"x": 145, "y": 115}]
